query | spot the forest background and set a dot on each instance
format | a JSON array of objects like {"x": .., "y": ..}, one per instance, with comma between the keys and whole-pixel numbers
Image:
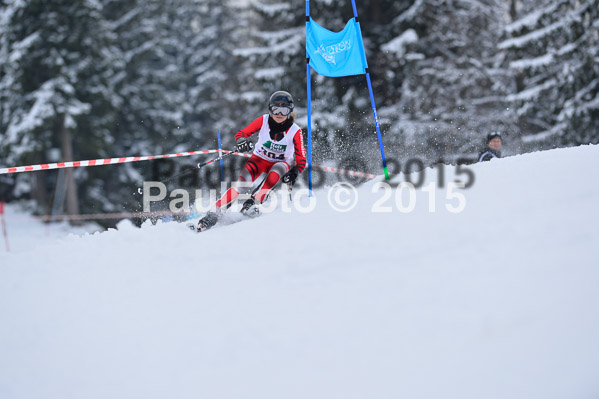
[{"x": 88, "y": 79}]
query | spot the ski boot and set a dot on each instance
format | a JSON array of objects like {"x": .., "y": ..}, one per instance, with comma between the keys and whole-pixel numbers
[
  {"x": 249, "y": 208},
  {"x": 207, "y": 222}
]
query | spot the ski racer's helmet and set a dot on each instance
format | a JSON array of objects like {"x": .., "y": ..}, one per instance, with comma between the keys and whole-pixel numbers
[{"x": 280, "y": 102}]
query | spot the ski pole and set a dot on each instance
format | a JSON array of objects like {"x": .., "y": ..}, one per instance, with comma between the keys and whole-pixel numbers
[
  {"x": 201, "y": 165},
  {"x": 198, "y": 166}
]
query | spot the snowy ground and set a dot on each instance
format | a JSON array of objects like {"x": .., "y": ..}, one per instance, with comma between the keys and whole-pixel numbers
[
  {"x": 497, "y": 301},
  {"x": 26, "y": 232}
]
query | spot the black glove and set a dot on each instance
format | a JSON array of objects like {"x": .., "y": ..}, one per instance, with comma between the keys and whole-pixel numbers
[
  {"x": 291, "y": 176},
  {"x": 244, "y": 145}
]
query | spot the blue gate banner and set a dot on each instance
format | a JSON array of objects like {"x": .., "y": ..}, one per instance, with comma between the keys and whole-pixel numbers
[{"x": 336, "y": 54}]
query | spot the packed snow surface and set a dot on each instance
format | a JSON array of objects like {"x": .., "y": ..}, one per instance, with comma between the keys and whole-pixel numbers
[{"x": 498, "y": 300}]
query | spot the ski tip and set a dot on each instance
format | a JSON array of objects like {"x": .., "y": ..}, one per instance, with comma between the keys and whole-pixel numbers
[
  {"x": 191, "y": 226},
  {"x": 196, "y": 228}
]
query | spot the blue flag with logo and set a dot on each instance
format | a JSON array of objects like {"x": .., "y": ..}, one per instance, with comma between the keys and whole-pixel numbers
[{"x": 336, "y": 53}]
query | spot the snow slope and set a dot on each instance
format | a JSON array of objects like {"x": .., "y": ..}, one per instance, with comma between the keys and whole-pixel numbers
[
  {"x": 26, "y": 232},
  {"x": 497, "y": 301}
]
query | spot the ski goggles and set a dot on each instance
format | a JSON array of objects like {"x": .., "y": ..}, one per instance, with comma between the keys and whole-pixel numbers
[{"x": 280, "y": 110}]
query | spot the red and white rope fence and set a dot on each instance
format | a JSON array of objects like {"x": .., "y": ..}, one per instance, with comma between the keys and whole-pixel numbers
[
  {"x": 98, "y": 162},
  {"x": 114, "y": 161}
]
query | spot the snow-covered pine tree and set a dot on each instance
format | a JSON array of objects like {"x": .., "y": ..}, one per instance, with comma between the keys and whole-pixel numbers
[
  {"x": 552, "y": 49},
  {"x": 273, "y": 54},
  {"x": 207, "y": 33},
  {"x": 180, "y": 84},
  {"x": 153, "y": 86},
  {"x": 214, "y": 99},
  {"x": 57, "y": 64},
  {"x": 443, "y": 69}
]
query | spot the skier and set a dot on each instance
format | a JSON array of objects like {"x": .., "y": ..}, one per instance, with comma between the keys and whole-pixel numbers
[
  {"x": 280, "y": 140},
  {"x": 492, "y": 148}
]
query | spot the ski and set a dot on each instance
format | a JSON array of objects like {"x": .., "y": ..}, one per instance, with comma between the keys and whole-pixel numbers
[{"x": 226, "y": 219}]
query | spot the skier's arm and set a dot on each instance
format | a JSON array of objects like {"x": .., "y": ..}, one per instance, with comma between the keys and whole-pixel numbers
[
  {"x": 249, "y": 129},
  {"x": 300, "y": 151},
  {"x": 300, "y": 159}
]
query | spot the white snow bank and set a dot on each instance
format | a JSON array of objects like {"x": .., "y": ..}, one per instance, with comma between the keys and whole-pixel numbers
[
  {"x": 26, "y": 232},
  {"x": 497, "y": 301}
]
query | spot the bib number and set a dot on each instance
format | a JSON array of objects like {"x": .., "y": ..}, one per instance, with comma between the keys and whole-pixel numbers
[{"x": 272, "y": 155}]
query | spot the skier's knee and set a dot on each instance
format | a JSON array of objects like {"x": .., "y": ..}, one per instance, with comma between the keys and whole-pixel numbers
[{"x": 280, "y": 168}]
